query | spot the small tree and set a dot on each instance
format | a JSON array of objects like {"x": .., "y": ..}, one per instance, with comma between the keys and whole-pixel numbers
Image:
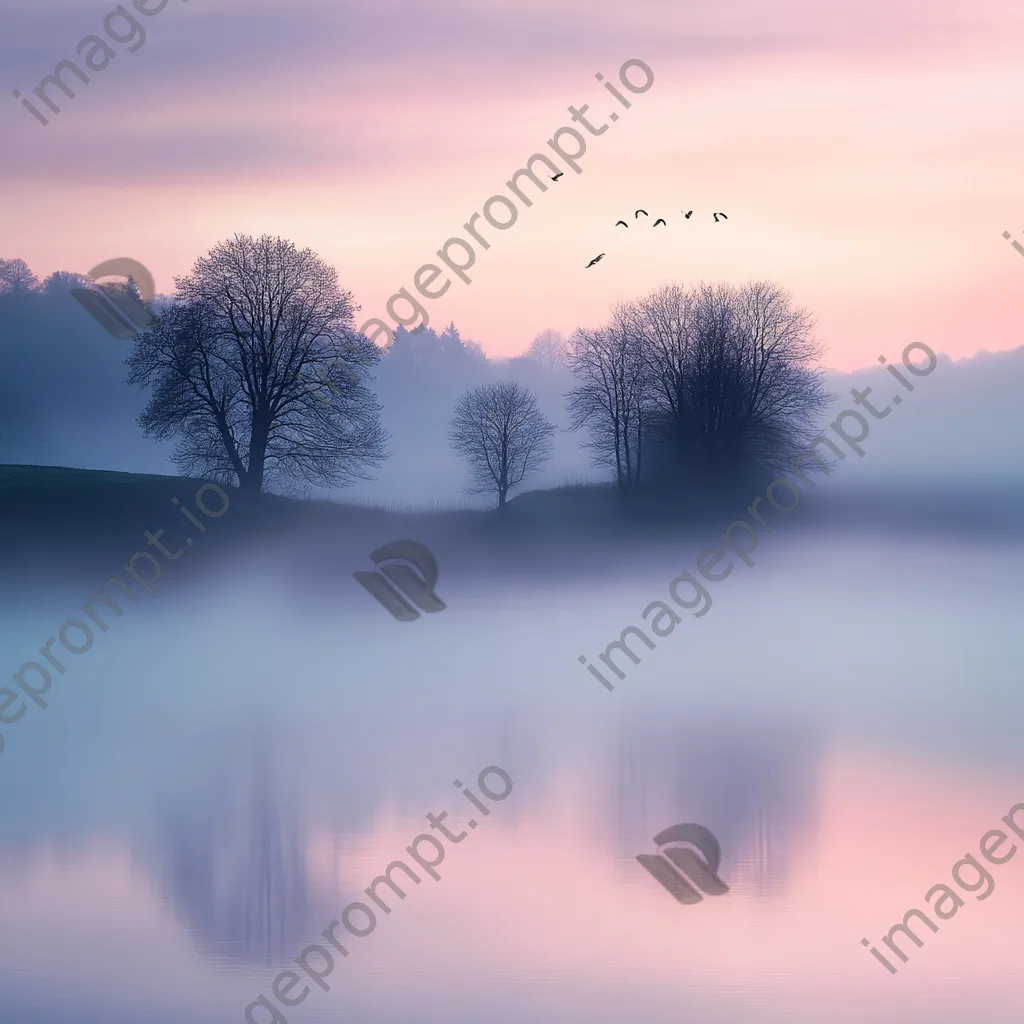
[
  {"x": 502, "y": 434},
  {"x": 549, "y": 350},
  {"x": 16, "y": 278}
]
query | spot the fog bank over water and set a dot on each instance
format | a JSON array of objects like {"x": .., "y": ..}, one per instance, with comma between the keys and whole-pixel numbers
[{"x": 237, "y": 764}]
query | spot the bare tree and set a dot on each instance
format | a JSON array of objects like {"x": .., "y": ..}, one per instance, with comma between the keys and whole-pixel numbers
[
  {"x": 781, "y": 384},
  {"x": 16, "y": 278},
  {"x": 734, "y": 374},
  {"x": 611, "y": 399},
  {"x": 709, "y": 418},
  {"x": 549, "y": 349},
  {"x": 662, "y": 323},
  {"x": 503, "y": 435},
  {"x": 256, "y": 367}
]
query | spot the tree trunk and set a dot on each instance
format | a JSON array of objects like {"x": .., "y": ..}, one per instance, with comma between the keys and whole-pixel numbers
[{"x": 257, "y": 458}]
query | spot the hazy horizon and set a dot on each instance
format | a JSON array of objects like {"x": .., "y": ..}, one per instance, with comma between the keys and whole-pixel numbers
[{"x": 276, "y": 615}]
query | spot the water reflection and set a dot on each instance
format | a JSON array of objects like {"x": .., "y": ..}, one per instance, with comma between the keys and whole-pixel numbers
[
  {"x": 174, "y": 887},
  {"x": 752, "y": 783},
  {"x": 234, "y": 852},
  {"x": 236, "y": 838}
]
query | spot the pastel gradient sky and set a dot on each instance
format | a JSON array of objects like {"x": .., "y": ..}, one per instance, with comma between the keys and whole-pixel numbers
[{"x": 869, "y": 155}]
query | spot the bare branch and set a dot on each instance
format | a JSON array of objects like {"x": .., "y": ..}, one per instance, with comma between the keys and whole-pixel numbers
[
  {"x": 502, "y": 434},
  {"x": 257, "y": 368}
]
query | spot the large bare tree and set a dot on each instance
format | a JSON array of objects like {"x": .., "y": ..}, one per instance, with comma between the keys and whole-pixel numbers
[
  {"x": 503, "y": 435},
  {"x": 734, "y": 376},
  {"x": 611, "y": 398},
  {"x": 256, "y": 368}
]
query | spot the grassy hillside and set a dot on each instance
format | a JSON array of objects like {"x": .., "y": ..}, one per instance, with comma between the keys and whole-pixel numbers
[
  {"x": 57, "y": 522},
  {"x": 79, "y": 521}
]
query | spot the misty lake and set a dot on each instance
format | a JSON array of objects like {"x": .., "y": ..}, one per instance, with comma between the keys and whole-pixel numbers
[{"x": 231, "y": 765}]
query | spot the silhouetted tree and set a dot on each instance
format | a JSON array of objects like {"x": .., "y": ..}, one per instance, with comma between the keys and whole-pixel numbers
[
  {"x": 62, "y": 281},
  {"x": 549, "y": 350},
  {"x": 257, "y": 368},
  {"x": 460, "y": 352},
  {"x": 733, "y": 380},
  {"x": 16, "y": 278},
  {"x": 611, "y": 398},
  {"x": 661, "y": 323},
  {"x": 502, "y": 434},
  {"x": 777, "y": 374}
]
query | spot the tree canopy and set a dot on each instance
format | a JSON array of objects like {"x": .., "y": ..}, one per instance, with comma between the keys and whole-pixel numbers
[{"x": 255, "y": 367}]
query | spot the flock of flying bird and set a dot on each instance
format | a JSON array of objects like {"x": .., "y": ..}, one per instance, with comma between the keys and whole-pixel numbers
[{"x": 660, "y": 220}]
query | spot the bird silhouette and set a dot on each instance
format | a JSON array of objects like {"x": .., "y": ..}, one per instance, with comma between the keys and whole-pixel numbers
[
  {"x": 622, "y": 222},
  {"x": 717, "y": 215},
  {"x": 660, "y": 220},
  {"x": 688, "y": 215},
  {"x": 592, "y": 262},
  {"x": 558, "y": 175},
  {"x": 638, "y": 212}
]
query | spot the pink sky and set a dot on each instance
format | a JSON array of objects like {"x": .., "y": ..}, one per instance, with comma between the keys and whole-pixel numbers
[{"x": 869, "y": 159}]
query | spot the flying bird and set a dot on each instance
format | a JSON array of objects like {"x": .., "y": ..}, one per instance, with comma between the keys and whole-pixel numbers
[
  {"x": 558, "y": 175},
  {"x": 660, "y": 220},
  {"x": 717, "y": 215},
  {"x": 688, "y": 215},
  {"x": 638, "y": 212},
  {"x": 622, "y": 222},
  {"x": 592, "y": 262}
]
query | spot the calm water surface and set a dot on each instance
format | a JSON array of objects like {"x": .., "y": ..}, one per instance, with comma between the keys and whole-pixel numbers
[{"x": 231, "y": 765}]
